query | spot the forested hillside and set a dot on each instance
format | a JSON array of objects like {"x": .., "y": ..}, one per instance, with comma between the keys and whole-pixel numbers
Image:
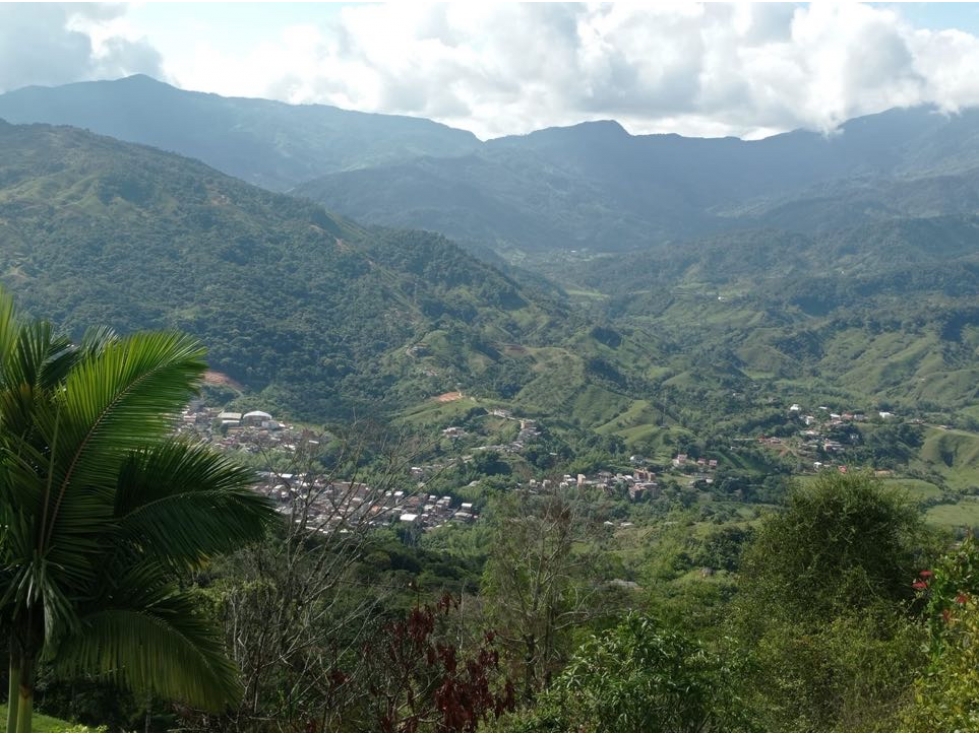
[
  {"x": 318, "y": 314},
  {"x": 266, "y": 143}
]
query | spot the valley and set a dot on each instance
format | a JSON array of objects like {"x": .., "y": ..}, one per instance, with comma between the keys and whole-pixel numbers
[{"x": 613, "y": 362}]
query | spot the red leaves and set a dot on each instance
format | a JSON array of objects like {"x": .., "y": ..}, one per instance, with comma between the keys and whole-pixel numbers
[{"x": 425, "y": 679}]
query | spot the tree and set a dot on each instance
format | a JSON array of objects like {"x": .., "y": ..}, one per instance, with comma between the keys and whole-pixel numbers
[
  {"x": 410, "y": 676},
  {"x": 844, "y": 543},
  {"x": 297, "y": 606},
  {"x": 539, "y": 581},
  {"x": 640, "y": 677},
  {"x": 822, "y": 605},
  {"x": 103, "y": 511}
]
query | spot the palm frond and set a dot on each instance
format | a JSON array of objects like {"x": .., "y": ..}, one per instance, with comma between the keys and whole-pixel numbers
[
  {"x": 127, "y": 393},
  {"x": 122, "y": 398},
  {"x": 96, "y": 339},
  {"x": 9, "y": 330},
  {"x": 33, "y": 586},
  {"x": 166, "y": 647},
  {"x": 38, "y": 360},
  {"x": 183, "y": 503}
]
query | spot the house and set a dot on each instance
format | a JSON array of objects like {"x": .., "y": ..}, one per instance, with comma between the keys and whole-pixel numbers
[{"x": 256, "y": 418}]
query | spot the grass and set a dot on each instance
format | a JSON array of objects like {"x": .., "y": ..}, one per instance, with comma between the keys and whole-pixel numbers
[
  {"x": 586, "y": 294},
  {"x": 954, "y": 455},
  {"x": 917, "y": 488},
  {"x": 964, "y": 513},
  {"x": 434, "y": 413},
  {"x": 40, "y": 722}
]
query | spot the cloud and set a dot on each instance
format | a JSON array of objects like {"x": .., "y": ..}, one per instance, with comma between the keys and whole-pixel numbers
[
  {"x": 700, "y": 69},
  {"x": 742, "y": 69},
  {"x": 52, "y": 43}
]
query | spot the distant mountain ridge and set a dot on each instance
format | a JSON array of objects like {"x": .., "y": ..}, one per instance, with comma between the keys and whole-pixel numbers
[
  {"x": 594, "y": 186},
  {"x": 267, "y": 143},
  {"x": 589, "y": 186}
]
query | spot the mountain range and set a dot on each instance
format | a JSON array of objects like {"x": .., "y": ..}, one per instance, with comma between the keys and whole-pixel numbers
[
  {"x": 629, "y": 285},
  {"x": 266, "y": 143},
  {"x": 310, "y": 312},
  {"x": 591, "y": 186}
]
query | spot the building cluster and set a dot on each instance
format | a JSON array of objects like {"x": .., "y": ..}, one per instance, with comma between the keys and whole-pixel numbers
[
  {"x": 251, "y": 432},
  {"x": 528, "y": 432},
  {"x": 640, "y": 484},
  {"x": 825, "y": 437},
  {"x": 326, "y": 503},
  {"x": 337, "y": 506}
]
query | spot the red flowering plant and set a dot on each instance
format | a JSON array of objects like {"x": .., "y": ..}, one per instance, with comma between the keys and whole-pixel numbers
[
  {"x": 945, "y": 590},
  {"x": 946, "y": 692}
]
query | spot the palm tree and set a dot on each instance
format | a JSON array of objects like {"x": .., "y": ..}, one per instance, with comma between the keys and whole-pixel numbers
[{"x": 101, "y": 512}]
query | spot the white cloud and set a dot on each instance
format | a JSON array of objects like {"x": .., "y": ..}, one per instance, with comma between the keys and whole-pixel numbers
[
  {"x": 52, "y": 43},
  {"x": 948, "y": 60},
  {"x": 712, "y": 69}
]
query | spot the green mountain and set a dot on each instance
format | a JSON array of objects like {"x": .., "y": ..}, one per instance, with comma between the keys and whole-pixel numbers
[
  {"x": 591, "y": 186},
  {"x": 699, "y": 277},
  {"x": 877, "y": 314},
  {"x": 317, "y": 314},
  {"x": 594, "y": 186},
  {"x": 270, "y": 144}
]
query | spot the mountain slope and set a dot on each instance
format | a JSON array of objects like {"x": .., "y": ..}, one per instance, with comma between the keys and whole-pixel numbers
[
  {"x": 320, "y": 315},
  {"x": 880, "y": 312},
  {"x": 267, "y": 143},
  {"x": 594, "y": 186},
  {"x": 591, "y": 186}
]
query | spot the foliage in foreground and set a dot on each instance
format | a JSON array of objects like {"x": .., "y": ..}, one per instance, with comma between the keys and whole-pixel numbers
[
  {"x": 53, "y": 724},
  {"x": 638, "y": 677},
  {"x": 946, "y": 694},
  {"x": 103, "y": 513}
]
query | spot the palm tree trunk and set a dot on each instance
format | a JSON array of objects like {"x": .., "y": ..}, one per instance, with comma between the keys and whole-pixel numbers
[
  {"x": 13, "y": 692},
  {"x": 25, "y": 704}
]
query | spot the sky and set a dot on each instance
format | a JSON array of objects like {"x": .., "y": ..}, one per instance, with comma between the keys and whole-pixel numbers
[{"x": 713, "y": 69}]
